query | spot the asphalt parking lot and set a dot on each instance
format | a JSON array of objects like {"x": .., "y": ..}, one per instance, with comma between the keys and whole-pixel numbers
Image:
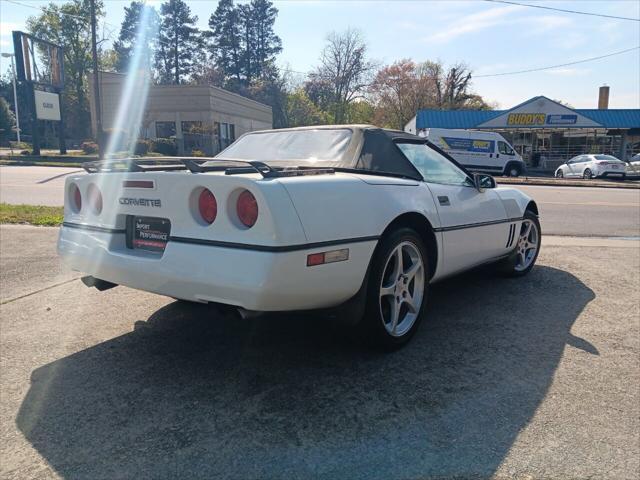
[{"x": 530, "y": 378}]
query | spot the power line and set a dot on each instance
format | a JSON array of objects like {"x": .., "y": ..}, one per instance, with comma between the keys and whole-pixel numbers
[
  {"x": 84, "y": 19},
  {"x": 80, "y": 17},
  {"x": 557, "y": 66},
  {"x": 508, "y": 2}
]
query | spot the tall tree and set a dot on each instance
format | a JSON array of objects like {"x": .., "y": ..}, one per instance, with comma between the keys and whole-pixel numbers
[
  {"x": 124, "y": 45},
  {"x": 243, "y": 42},
  {"x": 68, "y": 25},
  {"x": 225, "y": 44},
  {"x": 267, "y": 43},
  {"x": 247, "y": 37},
  {"x": 178, "y": 40},
  {"x": 401, "y": 89},
  {"x": 345, "y": 69}
]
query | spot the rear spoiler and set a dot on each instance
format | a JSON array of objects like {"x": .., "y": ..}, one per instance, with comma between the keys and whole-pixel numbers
[{"x": 197, "y": 165}]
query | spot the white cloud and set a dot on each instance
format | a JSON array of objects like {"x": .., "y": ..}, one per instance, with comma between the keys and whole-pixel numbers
[
  {"x": 544, "y": 23},
  {"x": 473, "y": 23}
]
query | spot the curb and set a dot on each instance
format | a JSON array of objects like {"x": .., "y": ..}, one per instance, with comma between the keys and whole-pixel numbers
[{"x": 553, "y": 182}]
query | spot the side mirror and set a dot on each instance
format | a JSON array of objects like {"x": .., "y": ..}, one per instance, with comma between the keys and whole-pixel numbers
[{"x": 482, "y": 181}]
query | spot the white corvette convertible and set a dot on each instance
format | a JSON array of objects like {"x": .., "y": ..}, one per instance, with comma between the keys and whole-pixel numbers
[{"x": 296, "y": 219}]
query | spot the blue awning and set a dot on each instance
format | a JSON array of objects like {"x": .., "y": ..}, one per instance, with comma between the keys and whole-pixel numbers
[{"x": 470, "y": 119}]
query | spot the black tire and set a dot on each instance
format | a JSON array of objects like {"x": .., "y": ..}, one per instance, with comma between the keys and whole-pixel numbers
[
  {"x": 587, "y": 174},
  {"x": 512, "y": 170},
  {"x": 372, "y": 328},
  {"x": 559, "y": 174},
  {"x": 509, "y": 266}
]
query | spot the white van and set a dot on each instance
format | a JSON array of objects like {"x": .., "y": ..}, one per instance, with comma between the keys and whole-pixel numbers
[{"x": 478, "y": 151}]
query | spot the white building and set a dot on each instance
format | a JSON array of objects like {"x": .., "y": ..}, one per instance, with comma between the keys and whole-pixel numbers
[{"x": 198, "y": 116}]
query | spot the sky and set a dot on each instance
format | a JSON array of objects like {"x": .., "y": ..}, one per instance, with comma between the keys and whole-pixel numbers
[{"x": 488, "y": 37}]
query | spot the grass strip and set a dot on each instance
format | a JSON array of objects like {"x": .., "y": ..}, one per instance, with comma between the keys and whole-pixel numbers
[{"x": 31, "y": 214}]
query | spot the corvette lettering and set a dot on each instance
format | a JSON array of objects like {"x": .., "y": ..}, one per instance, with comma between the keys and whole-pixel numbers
[{"x": 140, "y": 202}]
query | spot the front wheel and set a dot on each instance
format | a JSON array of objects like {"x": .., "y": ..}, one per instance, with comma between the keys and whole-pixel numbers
[
  {"x": 559, "y": 174},
  {"x": 397, "y": 290},
  {"x": 524, "y": 257},
  {"x": 587, "y": 175}
]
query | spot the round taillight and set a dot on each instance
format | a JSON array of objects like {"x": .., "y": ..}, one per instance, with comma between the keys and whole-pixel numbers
[
  {"x": 247, "y": 208},
  {"x": 95, "y": 198},
  {"x": 76, "y": 198},
  {"x": 208, "y": 206}
]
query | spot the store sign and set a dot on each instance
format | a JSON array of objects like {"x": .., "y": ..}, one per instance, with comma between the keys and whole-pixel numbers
[
  {"x": 526, "y": 119},
  {"x": 47, "y": 105},
  {"x": 562, "y": 119},
  {"x": 540, "y": 112}
]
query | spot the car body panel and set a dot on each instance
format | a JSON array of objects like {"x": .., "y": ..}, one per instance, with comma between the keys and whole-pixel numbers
[{"x": 265, "y": 267}]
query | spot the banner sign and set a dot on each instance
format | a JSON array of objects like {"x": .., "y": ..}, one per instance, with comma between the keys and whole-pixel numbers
[
  {"x": 47, "y": 105},
  {"x": 562, "y": 119},
  {"x": 468, "y": 144}
]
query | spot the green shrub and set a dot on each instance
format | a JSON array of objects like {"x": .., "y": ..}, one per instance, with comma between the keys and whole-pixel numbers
[
  {"x": 20, "y": 145},
  {"x": 197, "y": 153},
  {"x": 89, "y": 147},
  {"x": 165, "y": 146},
  {"x": 142, "y": 147}
]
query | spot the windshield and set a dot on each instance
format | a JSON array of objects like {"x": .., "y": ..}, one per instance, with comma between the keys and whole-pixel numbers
[{"x": 320, "y": 145}]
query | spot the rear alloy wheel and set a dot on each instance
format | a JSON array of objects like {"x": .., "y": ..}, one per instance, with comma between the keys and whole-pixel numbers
[
  {"x": 514, "y": 171},
  {"x": 587, "y": 175},
  {"x": 397, "y": 290},
  {"x": 559, "y": 174}
]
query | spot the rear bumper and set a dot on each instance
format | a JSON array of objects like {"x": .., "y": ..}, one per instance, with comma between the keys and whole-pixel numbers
[
  {"x": 254, "y": 280},
  {"x": 606, "y": 173}
]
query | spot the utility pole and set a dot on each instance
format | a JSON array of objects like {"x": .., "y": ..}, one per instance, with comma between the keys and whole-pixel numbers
[{"x": 96, "y": 82}]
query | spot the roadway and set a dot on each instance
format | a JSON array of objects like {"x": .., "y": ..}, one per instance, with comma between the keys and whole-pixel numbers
[
  {"x": 507, "y": 378},
  {"x": 575, "y": 211}
]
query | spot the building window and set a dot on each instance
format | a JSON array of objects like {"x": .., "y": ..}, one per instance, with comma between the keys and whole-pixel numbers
[
  {"x": 165, "y": 129},
  {"x": 226, "y": 134},
  {"x": 192, "y": 127}
]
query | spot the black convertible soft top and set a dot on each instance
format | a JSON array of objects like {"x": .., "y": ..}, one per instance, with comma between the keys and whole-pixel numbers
[{"x": 380, "y": 153}]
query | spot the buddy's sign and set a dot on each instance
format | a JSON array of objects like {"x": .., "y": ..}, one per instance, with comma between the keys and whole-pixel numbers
[
  {"x": 531, "y": 119},
  {"x": 526, "y": 119},
  {"x": 540, "y": 112}
]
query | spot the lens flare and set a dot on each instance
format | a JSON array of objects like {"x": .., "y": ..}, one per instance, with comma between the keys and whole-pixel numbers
[{"x": 133, "y": 98}]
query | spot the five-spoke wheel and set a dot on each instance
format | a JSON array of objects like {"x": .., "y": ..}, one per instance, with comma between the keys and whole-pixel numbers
[
  {"x": 397, "y": 289},
  {"x": 402, "y": 288},
  {"x": 527, "y": 246}
]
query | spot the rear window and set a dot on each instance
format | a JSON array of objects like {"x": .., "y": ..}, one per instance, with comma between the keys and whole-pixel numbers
[
  {"x": 321, "y": 145},
  {"x": 609, "y": 158}
]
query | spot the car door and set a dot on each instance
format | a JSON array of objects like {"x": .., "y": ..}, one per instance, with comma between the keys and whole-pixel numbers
[
  {"x": 473, "y": 225},
  {"x": 573, "y": 167},
  {"x": 505, "y": 153}
]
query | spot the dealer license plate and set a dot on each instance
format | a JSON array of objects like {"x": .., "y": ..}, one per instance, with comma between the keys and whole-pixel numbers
[
  {"x": 148, "y": 233},
  {"x": 615, "y": 167}
]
